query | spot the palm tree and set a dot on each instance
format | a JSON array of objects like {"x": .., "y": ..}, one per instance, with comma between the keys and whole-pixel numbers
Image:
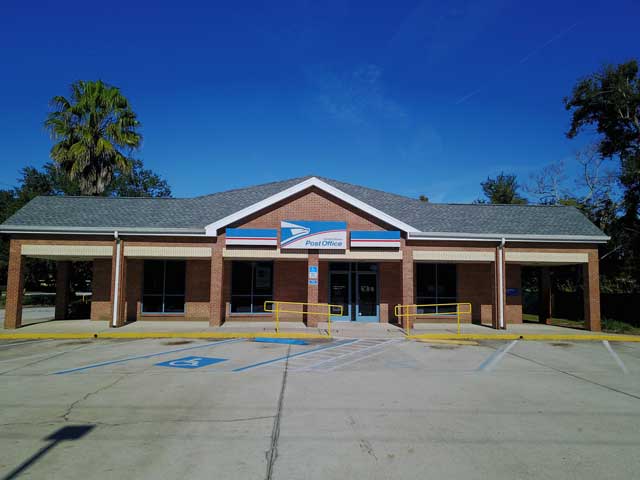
[{"x": 96, "y": 132}]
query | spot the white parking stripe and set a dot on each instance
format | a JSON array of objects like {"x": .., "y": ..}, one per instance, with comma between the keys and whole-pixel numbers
[
  {"x": 24, "y": 342},
  {"x": 615, "y": 356},
  {"x": 495, "y": 357},
  {"x": 365, "y": 347},
  {"x": 372, "y": 351}
]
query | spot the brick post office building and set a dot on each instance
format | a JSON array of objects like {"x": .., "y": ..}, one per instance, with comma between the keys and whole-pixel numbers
[{"x": 219, "y": 257}]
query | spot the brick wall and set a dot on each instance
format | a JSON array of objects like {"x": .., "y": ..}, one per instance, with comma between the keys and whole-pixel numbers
[
  {"x": 313, "y": 205},
  {"x": 197, "y": 290},
  {"x": 133, "y": 284},
  {"x": 390, "y": 283},
  {"x": 101, "y": 290},
  {"x": 475, "y": 285},
  {"x": 513, "y": 309},
  {"x": 290, "y": 285}
]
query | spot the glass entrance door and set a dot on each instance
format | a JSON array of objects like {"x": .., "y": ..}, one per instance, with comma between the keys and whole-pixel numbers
[
  {"x": 355, "y": 287},
  {"x": 367, "y": 297},
  {"x": 340, "y": 294}
]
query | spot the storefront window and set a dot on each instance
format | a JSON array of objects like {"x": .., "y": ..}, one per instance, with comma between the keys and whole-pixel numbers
[
  {"x": 164, "y": 286},
  {"x": 251, "y": 286},
  {"x": 436, "y": 284}
]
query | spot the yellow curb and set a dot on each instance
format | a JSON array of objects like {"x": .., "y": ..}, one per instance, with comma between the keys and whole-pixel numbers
[
  {"x": 141, "y": 335},
  {"x": 525, "y": 336},
  {"x": 448, "y": 342}
]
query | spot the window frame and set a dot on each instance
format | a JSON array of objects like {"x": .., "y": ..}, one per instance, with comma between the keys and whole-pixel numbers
[
  {"x": 252, "y": 295},
  {"x": 436, "y": 299},
  {"x": 164, "y": 295}
]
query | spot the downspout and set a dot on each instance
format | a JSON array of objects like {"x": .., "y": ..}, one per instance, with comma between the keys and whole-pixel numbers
[
  {"x": 116, "y": 294},
  {"x": 501, "y": 283}
]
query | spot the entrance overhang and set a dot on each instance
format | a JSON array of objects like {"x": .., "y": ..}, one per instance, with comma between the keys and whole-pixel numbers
[{"x": 67, "y": 252}]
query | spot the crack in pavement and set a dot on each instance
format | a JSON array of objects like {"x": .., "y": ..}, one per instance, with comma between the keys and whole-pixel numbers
[
  {"x": 73, "y": 405},
  {"x": 363, "y": 443},
  {"x": 272, "y": 453},
  {"x": 142, "y": 422}
]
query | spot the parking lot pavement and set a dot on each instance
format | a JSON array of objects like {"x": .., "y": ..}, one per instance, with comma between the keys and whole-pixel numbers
[{"x": 377, "y": 408}]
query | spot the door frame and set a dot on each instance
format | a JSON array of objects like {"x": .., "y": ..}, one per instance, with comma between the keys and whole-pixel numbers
[{"x": 352, "y": 314}]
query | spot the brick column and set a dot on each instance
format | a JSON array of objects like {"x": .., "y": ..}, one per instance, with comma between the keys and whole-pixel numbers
[
  {"x": 408, "y": 290},
  {"x": 591, "y": 274},
  {"x": 216, "y": 295},
  {"x": 15, "y": 286},
  {"x": 63, "y": 294},
  {"x": 544, "y": 295},
  {"x": 313, "y": 290}
]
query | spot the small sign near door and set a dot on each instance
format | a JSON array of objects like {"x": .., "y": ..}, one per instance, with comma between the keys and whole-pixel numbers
[{"x": 313, "y": 272}]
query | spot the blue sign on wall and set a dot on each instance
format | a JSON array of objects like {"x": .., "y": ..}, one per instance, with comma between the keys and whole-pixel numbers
[
  {"x": 307, "y": 234},
  {"x": 190, "y": 362},
  {"x": 513, "y": 292}
]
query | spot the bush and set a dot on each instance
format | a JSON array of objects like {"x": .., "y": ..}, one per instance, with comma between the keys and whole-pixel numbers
[{"x": 615, "y": 326}]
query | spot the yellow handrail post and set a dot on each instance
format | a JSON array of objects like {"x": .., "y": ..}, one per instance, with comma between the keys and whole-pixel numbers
[
  {"x": 458, "y": 317},
  {"x": 275, "y": 306}
]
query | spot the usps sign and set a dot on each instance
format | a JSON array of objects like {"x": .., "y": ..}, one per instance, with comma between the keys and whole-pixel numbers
[{"x": 306, "y": 234}]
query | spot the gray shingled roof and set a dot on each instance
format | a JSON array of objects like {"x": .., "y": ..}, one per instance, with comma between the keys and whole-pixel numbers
[{"x": 193, "y": 214}]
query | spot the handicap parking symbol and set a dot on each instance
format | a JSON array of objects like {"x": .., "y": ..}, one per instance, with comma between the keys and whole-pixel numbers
[{"x": 190, "y": 362}]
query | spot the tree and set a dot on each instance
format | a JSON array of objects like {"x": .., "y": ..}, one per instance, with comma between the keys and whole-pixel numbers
[
  {"x": 609, "y": 101},
  {"x": 502, "y": 189},
  {"x": 423, "y": 198},
  {"x": 139, "y": 182},
  {"x": 96, "y": 131},
  {"x": 51, "y": 180}
]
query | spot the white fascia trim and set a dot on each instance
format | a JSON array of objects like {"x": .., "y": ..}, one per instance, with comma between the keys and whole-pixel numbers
[
  {"x": 212, "y": 229},
  {"x": 108, "y": 233},
  {"x": 483, "y": 237}
]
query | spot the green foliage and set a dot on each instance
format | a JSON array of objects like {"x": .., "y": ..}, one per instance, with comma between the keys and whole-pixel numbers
[
  {"x": 139, "y": 182},
  {"x": 503, "y": 189},
  {"x": 423, "y": 198},
  {"x": 96, "y": 130},
  {"x": 609, "y": 101},
  {"x": 52, "y": 180}
]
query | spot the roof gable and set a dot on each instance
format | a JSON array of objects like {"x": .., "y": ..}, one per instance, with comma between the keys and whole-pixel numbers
[{"x": 212, "y": 229}]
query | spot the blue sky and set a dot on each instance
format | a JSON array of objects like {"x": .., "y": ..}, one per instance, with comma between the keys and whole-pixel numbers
[{"x": 411, "y": 97}]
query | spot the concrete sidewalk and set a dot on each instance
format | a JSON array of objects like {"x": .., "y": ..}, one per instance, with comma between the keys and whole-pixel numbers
[{"x": 41, "y": 328}]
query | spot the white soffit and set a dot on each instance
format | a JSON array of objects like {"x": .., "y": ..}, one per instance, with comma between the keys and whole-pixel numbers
[
  {"x": 166, "y": 252},
  {"x": 546, "y": 257},
  {"x": 261, "y": 254},
  {"x": 71, "y": 251},
  {"x": 361, "y": 255},
  {"x": 211, "y": 229},
  {"x": 453, "y": 256}
]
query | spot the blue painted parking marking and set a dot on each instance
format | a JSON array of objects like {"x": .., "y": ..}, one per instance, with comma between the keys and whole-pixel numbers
[
  {"x": 139, "y": 357},
  {"x": 279, "y": 359},
  {"x": 190, "y": 362},
  {"x": 288, "y": 341}
]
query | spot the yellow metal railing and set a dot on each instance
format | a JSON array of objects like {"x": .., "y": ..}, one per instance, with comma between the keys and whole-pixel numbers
[
  {"x": 410, "y": 312},
  {"x": 275, "y": 306}
]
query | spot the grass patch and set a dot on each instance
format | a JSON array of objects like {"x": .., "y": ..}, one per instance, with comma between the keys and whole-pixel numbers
[
  {"x": 616, "y": 326},
  {"x": 608, "y": 325}
]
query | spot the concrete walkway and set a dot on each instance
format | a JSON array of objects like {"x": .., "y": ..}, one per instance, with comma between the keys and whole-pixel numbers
[{"x": 38, "y": 322}]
